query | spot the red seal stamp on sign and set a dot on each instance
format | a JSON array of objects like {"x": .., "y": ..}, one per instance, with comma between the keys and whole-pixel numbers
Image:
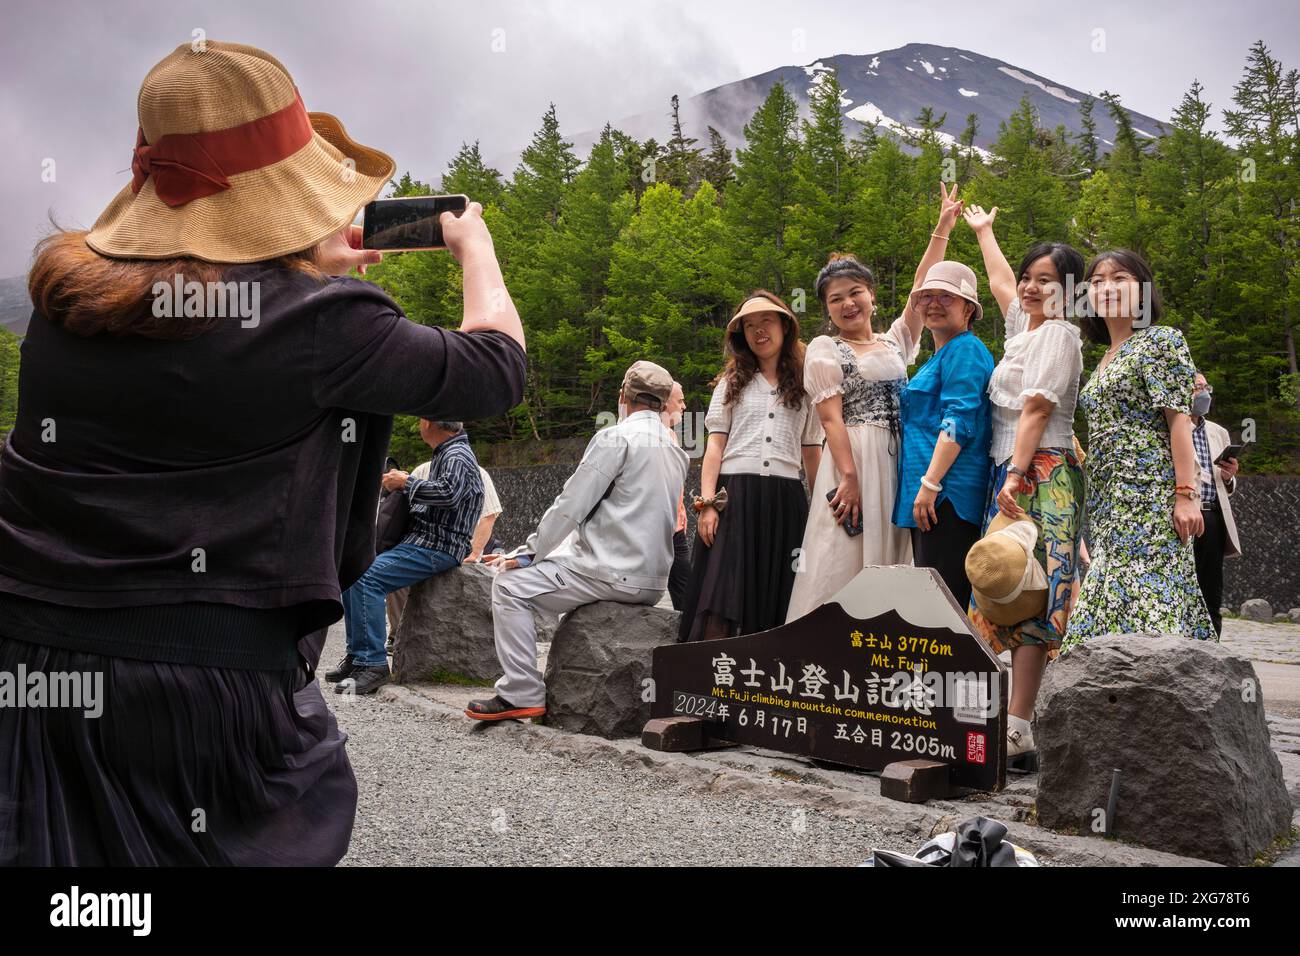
[{"x": 974, "y": 747}]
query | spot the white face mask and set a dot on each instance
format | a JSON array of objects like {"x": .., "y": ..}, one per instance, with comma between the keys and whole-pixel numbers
[{"x": 1201, "y": 404}]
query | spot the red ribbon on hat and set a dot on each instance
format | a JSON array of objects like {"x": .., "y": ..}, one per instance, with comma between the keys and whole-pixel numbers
[{"x": 187, "y": 166}]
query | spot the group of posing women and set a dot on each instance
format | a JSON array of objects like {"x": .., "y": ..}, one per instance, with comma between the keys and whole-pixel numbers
[{"x": 914, "y": 471}]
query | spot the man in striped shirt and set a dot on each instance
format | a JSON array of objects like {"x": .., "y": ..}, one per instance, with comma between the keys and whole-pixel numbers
[{"x": 443, "y": 510}]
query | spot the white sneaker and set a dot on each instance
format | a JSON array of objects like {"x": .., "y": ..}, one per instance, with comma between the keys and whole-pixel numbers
[{"x": 1020, "y": 736}]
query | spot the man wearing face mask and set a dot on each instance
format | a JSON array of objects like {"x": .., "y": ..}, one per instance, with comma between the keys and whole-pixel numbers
[{"x": 1217, "y": 483}]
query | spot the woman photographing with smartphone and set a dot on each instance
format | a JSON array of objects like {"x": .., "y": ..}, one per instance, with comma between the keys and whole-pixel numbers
[
  {"x": 184, "y": 497},
  {"x": 854, "y": 378},
  {"x": 1036, "y": 473},
  {"x": 1143, "y": 505}
]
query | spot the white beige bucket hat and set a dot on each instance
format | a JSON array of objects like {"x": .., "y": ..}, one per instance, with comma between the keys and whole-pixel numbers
[{"x": 230, "y": 167}]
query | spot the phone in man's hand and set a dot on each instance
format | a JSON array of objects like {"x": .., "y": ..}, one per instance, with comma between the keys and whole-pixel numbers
[
  {"x": 1232, "y": 451},
  {"x": 409, "y": 223}
]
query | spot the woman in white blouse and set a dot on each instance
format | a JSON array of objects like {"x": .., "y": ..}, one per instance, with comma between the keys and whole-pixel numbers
[
  {"x": 752, "y": 506},
  {"x": 1036, "y": 471},
  {"x": 854, "y": 377}
]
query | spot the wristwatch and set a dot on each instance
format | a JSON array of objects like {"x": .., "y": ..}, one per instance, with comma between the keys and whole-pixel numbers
[{"x": 1013, "y": 470}]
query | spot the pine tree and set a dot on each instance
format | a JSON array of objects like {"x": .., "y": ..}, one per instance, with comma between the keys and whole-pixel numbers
[
  {"x": 759, "y": 203},
  {"x": 715, "y": 167},
  {"x": 1088, "y": 138},
  {"x": 1266, "y": 235},
  {"x": 468, "y": 174},
  {"x": 680, "y": 166},
  {"x": 546, "y": 167},
  {"x": 827, "y": 185}
]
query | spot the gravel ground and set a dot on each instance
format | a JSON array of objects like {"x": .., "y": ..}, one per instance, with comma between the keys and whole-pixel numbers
[{"x": 434, "y": 792}]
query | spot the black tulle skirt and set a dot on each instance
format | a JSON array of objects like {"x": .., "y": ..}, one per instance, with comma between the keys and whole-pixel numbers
[
  {"x": 185, "y": 765},
  {"x": 742, "y": 583}
]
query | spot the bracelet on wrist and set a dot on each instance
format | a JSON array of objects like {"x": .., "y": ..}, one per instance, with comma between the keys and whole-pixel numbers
[
  {"x": 935, "y": 235},
  {"x": 934, "y": 486}
]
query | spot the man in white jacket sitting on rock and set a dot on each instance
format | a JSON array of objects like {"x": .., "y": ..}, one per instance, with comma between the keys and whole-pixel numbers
[{"x": 607, "y": 537}]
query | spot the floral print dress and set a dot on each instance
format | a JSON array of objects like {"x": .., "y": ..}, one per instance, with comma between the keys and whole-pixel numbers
[{"x": 1142, "y": 579}]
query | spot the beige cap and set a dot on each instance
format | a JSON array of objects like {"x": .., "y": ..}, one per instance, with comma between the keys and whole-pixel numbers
[
  {"x": 1008, "y": 584},
  {"x": 647, "y": 380},
  {"x": 954, "y": 277},
  {"x": 757, "y": 303}
]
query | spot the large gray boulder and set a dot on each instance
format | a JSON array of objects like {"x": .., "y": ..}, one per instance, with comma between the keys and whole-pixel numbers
[
  {"x": 1183, "y": 722},
  {"x": 599, "y": 664},
  {"x": 1257, "y": 609},
  {"x": 446, "y": 629}
]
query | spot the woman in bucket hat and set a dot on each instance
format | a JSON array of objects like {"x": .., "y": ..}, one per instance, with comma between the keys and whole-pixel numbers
[
  {"x": 855, "y": 378},
  {"x": 186, "y": 491},
  {"x": 752, "y": 507},
  {"x": 943, "y": 471}
]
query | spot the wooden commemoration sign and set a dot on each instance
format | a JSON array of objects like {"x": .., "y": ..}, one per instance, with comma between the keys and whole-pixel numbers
[{"x": 888, "y": 670}]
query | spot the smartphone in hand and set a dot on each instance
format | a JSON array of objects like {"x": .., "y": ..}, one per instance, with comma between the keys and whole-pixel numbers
[
  {"x": 409, "y": 223},
  {"x": 852, "y": 530}
]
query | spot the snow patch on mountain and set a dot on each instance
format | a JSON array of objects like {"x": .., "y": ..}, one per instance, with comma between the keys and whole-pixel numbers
[
  {"x": 870, "y": 114},
  {"x": 1056, "y": 91},
  {"x": 819, "y": 71}
]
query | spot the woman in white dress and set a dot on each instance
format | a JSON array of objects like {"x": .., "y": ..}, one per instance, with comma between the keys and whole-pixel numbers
[{"x": 854, "y": 378}]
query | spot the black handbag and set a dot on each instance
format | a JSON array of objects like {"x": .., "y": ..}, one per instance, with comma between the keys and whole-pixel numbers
[{"x": 391, "y": 521}]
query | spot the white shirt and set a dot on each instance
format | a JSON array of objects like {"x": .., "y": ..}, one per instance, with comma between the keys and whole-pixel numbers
[
  {"x": 491, "y": 503},
  {"x": 1048, "y": 362},
  {"x": 625, "y": 539},
  {"x": 764, "y": 437}
]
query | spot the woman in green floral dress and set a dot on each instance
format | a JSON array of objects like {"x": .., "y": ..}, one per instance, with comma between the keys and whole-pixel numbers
[{"x": 1143, "y": 506}]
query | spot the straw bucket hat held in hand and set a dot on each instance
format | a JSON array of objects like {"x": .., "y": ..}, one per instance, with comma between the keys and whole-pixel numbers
[
  {"x": 1008, "y": 585},
  {"x": 230, "y": 167},
  {"x": 956, "y": 278}
]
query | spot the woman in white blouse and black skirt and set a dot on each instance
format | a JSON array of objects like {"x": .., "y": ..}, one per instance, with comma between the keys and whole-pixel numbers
[
  {"x": 1036, "y": 471},
  {"x": 752, "y": 506}
]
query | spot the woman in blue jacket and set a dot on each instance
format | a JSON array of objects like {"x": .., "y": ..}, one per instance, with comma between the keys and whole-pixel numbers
[{"x": 943, "y": 471}]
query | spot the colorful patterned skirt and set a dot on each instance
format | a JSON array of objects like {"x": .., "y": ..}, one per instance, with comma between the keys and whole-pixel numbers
[
  {"x": 1142, "y": 579},
  {"x": 1053, "y": 498}
]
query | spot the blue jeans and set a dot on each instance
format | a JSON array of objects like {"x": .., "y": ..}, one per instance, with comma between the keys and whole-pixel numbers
[{"x": 363, "y": 603}]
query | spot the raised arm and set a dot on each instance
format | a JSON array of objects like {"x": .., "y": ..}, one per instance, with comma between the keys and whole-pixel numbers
[
  {"x": 487, "y": 302},
  {"x": 949, "y": 210},
  {"x": 1002, "y": 280}
]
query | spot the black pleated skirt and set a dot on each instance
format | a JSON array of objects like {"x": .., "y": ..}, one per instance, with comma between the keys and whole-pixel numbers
[
  {"x": 184, "y": 765},
  {"x": 743, "y": 582}
]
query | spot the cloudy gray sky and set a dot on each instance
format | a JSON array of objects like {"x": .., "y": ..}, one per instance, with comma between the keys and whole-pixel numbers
[{"x": 417, "y": 78}]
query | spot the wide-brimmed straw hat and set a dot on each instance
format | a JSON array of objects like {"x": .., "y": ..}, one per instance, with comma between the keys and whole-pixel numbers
[
  {"x": 1007, "y": 582},
  {"x": 230, "y": 167},
  {"x": 954, "y": 277},
  {"x": 756, "y": 303}
]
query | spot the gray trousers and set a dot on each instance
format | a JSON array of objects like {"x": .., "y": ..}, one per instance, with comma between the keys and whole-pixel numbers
[{"x": 549, "y": 588}]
